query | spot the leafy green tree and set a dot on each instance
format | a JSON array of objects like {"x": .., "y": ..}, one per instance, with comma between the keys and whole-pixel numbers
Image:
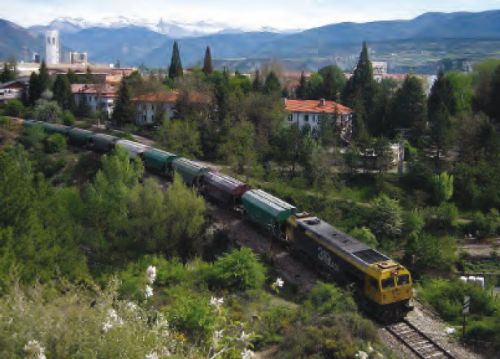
[
  {"x": 55, "y": 143},
  {"x": 62, "y": 93},
  {"x": 175, "y": 69},
  {"x": 333, "y": 82},
  {"x": 408, "y": 108},
  {"x": 181, "y": 137},
  {"x": 14, "y": 108},
  {"x": 124, "y": 111},
  {"x": 208, "y": 67},
  {"x": 482, "y": 76},
  {"x": 442, "y": 185},
  {"x": 286, "y": 148},
  {"x": 68, "y": 118},
  {"x": 83, "y": 108},
  {"x": 48, "y": 112},
  {"x": 185, "y": 219},
  {"x": 425, "y": 252},
  {"x": 386, "y": 219},
  {"x": 314, "y": 87},
  {"x": 272, "y": 85},
  {"x": 72, "y": 77},
  {"x": 462, "y": 89},
  {"x": 384, "y": 153},
  {"x": 239, "y": 149},
  {"x": 441, "y": 130}
]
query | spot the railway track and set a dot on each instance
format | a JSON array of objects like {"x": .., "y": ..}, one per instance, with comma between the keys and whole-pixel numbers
[{"x": 417, "y": 341}]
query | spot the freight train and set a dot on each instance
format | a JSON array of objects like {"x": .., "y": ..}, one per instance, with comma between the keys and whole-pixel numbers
[{"x": 383, "y": 285}]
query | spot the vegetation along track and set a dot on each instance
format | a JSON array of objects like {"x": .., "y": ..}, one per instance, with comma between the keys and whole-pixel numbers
[{"x": 417, "y": 341}]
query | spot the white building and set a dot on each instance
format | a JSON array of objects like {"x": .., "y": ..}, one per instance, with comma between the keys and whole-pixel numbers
[
  {"x": 52, "y": 47},
  {"x": 12, "y": 90},
  {"x": 158, "y": 104},
  {"x": 310, "y": 113},
  {"x": 80, "y": 58},
  {"x": 96, "y": 96}
]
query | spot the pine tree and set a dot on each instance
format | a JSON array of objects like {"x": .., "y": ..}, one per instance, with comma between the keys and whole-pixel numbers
[
  {"x": 123, "y": 112},
  {"x": 257, "y": 82},
  {"x": 333, "y": 82},
  {"x": 44, "y": 77},
  {"x": 301, "y": 91},
  {"x": 175, "y": 69},
  {"x": 207, "y": 62},
  {"x": 62, "y": 92},
  {"x": 8, "y": 74}
]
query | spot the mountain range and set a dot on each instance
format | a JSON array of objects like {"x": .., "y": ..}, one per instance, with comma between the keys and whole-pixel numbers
[{"x": 414, "y": 43}]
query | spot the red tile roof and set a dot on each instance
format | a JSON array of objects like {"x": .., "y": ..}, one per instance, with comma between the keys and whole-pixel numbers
[
  {"x": 171, "y": 97},
  {"x": 104, "y": 90},
  {"x": 316, "y": 106}
]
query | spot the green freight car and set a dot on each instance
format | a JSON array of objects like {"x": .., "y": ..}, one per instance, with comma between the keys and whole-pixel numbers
[
  {"x": 80, "y": 137},
  {"x": 52, "y": 128},
  {"x": 191, "y": 172},
  {"x": 267, "y": 211},
  {"x": 159, "y": 161},
  {"x": 101, "y": 142},
  {"x": 32, "y": 124}
]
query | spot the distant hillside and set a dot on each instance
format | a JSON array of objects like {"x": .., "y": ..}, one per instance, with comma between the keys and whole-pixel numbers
[
  {"x": 16, "y": 41},
  {"x": 419, "y": 43}
]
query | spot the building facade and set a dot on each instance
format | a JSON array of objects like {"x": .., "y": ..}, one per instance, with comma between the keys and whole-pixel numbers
[
  {"x": 96, "y": 96},
  {"x": 52, "y": 47},
  {"x": 308, "y": 114}
]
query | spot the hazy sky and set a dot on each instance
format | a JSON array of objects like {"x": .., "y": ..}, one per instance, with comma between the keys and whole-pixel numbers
[{"x": 282, "y": 14}]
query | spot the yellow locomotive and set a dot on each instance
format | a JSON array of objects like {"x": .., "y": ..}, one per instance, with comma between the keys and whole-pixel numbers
[{"x": 384, "y": 286}]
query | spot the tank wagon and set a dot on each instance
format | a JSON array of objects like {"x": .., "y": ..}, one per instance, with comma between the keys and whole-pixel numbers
[
  {"x": 52, "y": 128},
  {"x": 382, "y": 285}
]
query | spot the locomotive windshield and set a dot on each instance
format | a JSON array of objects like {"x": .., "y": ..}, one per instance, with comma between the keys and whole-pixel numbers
[
  {"x": 388, "y": 283},
  {"x": 403, "y": 279}
]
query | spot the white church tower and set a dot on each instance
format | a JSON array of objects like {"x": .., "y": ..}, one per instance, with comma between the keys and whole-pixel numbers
[{"x": 52, "y": 51}]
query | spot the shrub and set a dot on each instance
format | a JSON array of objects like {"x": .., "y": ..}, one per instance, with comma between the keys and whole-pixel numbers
[
  {"x": 33, "y": 138},
  {"x": 445, "y": 216},
  {"x": 365, "y": 235},
  {"x": 238, "y": 271},
  {"x": 48, "y": 112},
  {"x": 326, "y": 298},
  {"x": 275, "y": 322},
  {"x": 482, "y": 225},
  {"x": 442, "y": 186},
  {"x": 386, "y": 217},
  {"x": 55, "y": 143},
  {"x": 68, "y": 118},
  {"x": 14, "y": 108},
  {"x": 426, "y": 252}
]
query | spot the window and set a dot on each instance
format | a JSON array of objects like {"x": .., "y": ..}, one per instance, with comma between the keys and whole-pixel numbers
[
  {"x": 388, "y": 283},
  {"x": 374, "y": 283},
  {"x": 306, "y": 118},
  {"x": 290, "y": 117},
  {"x": 404, "y": 279}
]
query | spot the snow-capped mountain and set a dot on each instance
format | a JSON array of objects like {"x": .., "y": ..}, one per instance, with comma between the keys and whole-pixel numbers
[{"x": 174, "y": 29}]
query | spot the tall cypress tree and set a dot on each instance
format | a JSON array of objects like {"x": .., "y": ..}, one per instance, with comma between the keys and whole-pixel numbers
[
  {"x": 257, "y": 82},
  {"x": 361, "y": 85},
  {"x": 44, "y": 77},
  {"x": 175, "y": 69},
  {"x": 301, "y": 91},
  {"x": 494, "y": 100},
  {"x": 272, "y": 85},
  {"x": 35, "y": 90},
  {"x": 124, "y": 111},
  {"x": 207, "y": 62}
]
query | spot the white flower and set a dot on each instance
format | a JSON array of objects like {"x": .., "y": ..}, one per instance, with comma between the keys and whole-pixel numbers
[
  {"x": 244, "y": 336},
  {"x": 279, "y": 282},
  {"x": 131, "y": 306},
  {"x": 216, "y": 302},
  {"x": 34, "y": 350},
  {"x": 361, "y": 355},
  {"x": 106, "y": 327},
  {"x": 217, "y": 335},
  {"x": 151, "y": 274},
  {"x": 148, "y": 291},
  {"x": 247, "y": 354},
  {"x": 152, "y": 355}
]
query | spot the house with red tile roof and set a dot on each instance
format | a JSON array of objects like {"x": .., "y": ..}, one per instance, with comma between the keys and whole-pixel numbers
[
  {"x": 152, "y": 105},
  {"x": 310, "y": 113},
  {"x": 97, "y": 96}
]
